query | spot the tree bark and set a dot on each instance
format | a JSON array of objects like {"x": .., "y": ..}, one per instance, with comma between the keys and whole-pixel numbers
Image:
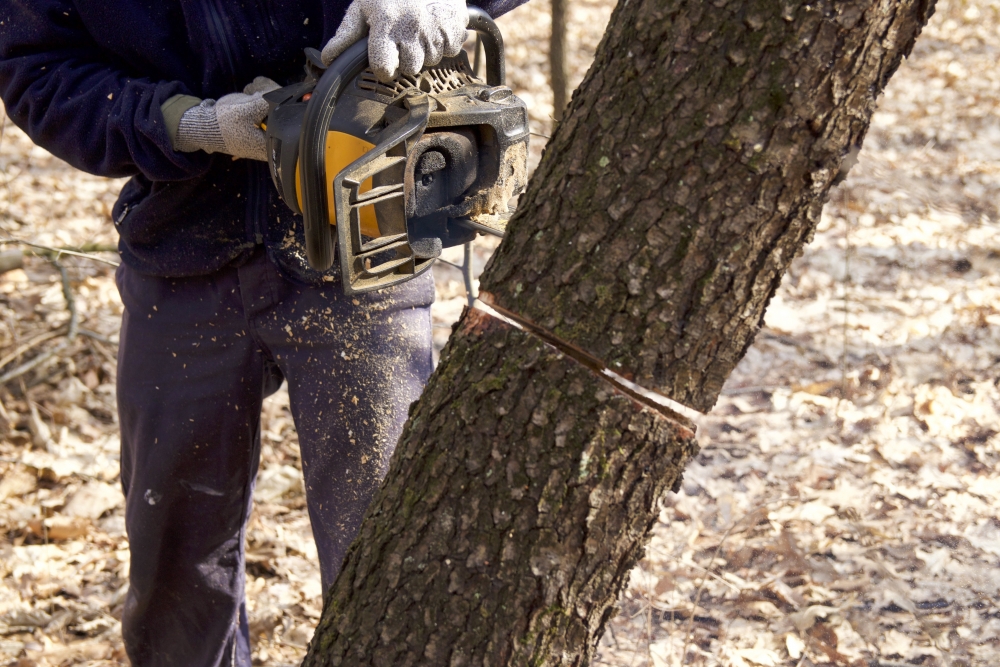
[
  {"x": 540, "y": 497},
  {"x": 692, "y": 166}
]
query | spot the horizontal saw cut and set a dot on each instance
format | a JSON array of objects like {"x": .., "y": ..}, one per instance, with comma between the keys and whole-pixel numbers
[
  {"x": 673, "y": 197},
  {"x": 540, "y": 486}
]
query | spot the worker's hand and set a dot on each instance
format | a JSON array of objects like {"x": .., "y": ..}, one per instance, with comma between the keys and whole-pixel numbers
[
  {"x": 404, "y": 35},
  {"x": 228, "y": 125}
]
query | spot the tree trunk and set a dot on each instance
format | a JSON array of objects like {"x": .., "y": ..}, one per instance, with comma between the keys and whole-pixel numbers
[
  {"x": 558, "y": 75},
  {"x": 691, "y": 167}
]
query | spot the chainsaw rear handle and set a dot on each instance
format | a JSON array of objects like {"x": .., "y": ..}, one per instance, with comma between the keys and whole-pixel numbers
[{"x": 319, "y": 112}]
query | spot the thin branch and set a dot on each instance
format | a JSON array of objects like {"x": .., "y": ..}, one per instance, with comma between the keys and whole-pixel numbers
[
  {"x": 756, "y": 389},
  {"x": 74, "y": 326},
  {"x": 96, "y": 336},
  {"x": 74, "y": 316},
  {"x": 101, "y": 347},
  {"x": 715, "y": 553},
  {"x": 847, "y": 312},
  {"x": 30, "y": 345},
  {"x": 5, "y": 416},
  {"x": 29, "y": 366},
  {"x": 700, "y": 567},
  {"x": 451, "y": 264},
  {"x": 54, "y": 253},
  {"x": 701, "y": 587}
]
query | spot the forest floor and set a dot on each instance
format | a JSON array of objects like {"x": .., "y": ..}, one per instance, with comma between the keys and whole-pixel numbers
[{"x": 842, "y": 509}]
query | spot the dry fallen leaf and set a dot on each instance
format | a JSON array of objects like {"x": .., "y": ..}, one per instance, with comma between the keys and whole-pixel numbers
[
  {"x": 805, "y": 619},
  {"x": 795, "y": 645},
  {"x": 92, "y": 500},
  {"x": 17, "y": 482},
  {"x": 272, "y": 483},
  {"x": 59, "y": 528},
  {"x": 895, "y": 643}
]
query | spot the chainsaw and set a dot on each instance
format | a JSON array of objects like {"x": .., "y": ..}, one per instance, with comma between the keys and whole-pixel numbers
[{"x": 386, "y": 175}]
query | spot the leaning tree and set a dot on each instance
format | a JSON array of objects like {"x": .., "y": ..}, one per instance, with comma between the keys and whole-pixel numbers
[{"x": 691, "y": 166}]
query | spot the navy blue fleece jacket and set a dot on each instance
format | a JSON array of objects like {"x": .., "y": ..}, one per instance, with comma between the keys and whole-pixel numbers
[{"x": 86, "y": 78}]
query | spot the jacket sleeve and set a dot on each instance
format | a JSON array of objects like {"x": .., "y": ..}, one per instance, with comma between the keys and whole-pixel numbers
[{"x": 75, "y": 101}]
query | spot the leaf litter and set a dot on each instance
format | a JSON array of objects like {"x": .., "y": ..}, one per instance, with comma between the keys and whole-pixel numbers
[{"x": 841, "y": 511}]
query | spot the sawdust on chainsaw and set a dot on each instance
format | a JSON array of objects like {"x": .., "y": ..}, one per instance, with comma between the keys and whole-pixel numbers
[
  {"x": 842, "y": 511},
  {"x": 512, "y": 180}
]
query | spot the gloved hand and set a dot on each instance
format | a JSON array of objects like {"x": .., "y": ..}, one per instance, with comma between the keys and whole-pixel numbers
[
  {"x": 229, "y": 125},
  {"x": 406, "y": 35}
]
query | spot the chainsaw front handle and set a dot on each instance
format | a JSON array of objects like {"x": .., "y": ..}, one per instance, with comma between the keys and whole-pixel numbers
[
  {"x": 486, "y": 28},
  {"x": 312, "y": 151}
]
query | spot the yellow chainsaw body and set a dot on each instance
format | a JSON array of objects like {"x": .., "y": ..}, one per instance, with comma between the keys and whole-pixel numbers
[{"x": 341, "y": 150}]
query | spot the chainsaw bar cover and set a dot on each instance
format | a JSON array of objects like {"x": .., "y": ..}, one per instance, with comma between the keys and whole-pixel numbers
[{"x": 386, "y": 175}]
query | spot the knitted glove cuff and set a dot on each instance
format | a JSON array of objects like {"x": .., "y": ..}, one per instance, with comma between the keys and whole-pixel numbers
[{"x": 199, "y": 130}]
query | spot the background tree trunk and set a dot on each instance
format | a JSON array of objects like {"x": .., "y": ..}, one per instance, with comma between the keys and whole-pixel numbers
[
  {"x": 558, "y": 74},
  {"x": 691, "y": 167}
]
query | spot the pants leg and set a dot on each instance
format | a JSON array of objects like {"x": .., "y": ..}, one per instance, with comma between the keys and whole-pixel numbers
[
  {"x": 195, "y": 360},
  {"x": 353, "y": 366},
  {"x": 190, "y": 384}
]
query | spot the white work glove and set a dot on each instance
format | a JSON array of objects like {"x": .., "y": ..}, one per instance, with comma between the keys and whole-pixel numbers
[
  {"x": 230, "y": 125},
  {"x": 405, "y": 35}
]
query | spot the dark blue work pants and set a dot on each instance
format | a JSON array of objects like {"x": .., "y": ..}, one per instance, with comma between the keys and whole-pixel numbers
[{"x": 197, "y": 356}]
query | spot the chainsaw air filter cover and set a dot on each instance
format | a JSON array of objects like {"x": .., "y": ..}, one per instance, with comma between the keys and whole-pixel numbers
[{"x": 398, "y": 170}]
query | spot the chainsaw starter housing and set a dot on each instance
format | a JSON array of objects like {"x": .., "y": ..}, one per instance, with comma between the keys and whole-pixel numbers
[{"x": 386, "y": 175}]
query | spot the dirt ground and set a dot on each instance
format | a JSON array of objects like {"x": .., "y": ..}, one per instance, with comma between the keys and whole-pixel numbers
[{"x": 842, "y": 510}]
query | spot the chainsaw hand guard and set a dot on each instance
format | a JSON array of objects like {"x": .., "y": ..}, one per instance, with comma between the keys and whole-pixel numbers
[
  {"x": 426, "y": 161},
  {"x": 360, "y": 264}
]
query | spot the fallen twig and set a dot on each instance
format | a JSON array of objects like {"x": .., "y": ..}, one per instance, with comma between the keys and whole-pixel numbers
[
  {"x": 74, "y": 318},
  {"x": 697, "y": 597},
  {"x": 5, "y": 421},
  {"x": 700, "y": 567},
  {"x": 54, "y": 253},
  {"x": 101, "y": 347},
  {"x": 29, "y": 366},
  {"x": 31, "y": 344},
  {"x": 71, "y": 333},
  {"x": 755, "y": 389},
  {"x": 96, "y": 336}
]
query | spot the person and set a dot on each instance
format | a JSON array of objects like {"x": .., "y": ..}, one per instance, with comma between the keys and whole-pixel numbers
[{"x": 220, "y": 305}]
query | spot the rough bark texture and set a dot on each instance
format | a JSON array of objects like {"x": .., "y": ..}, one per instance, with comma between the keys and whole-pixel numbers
[
  {"x": 692, "y": 166},
  {"x": 509, "y": 542}
]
